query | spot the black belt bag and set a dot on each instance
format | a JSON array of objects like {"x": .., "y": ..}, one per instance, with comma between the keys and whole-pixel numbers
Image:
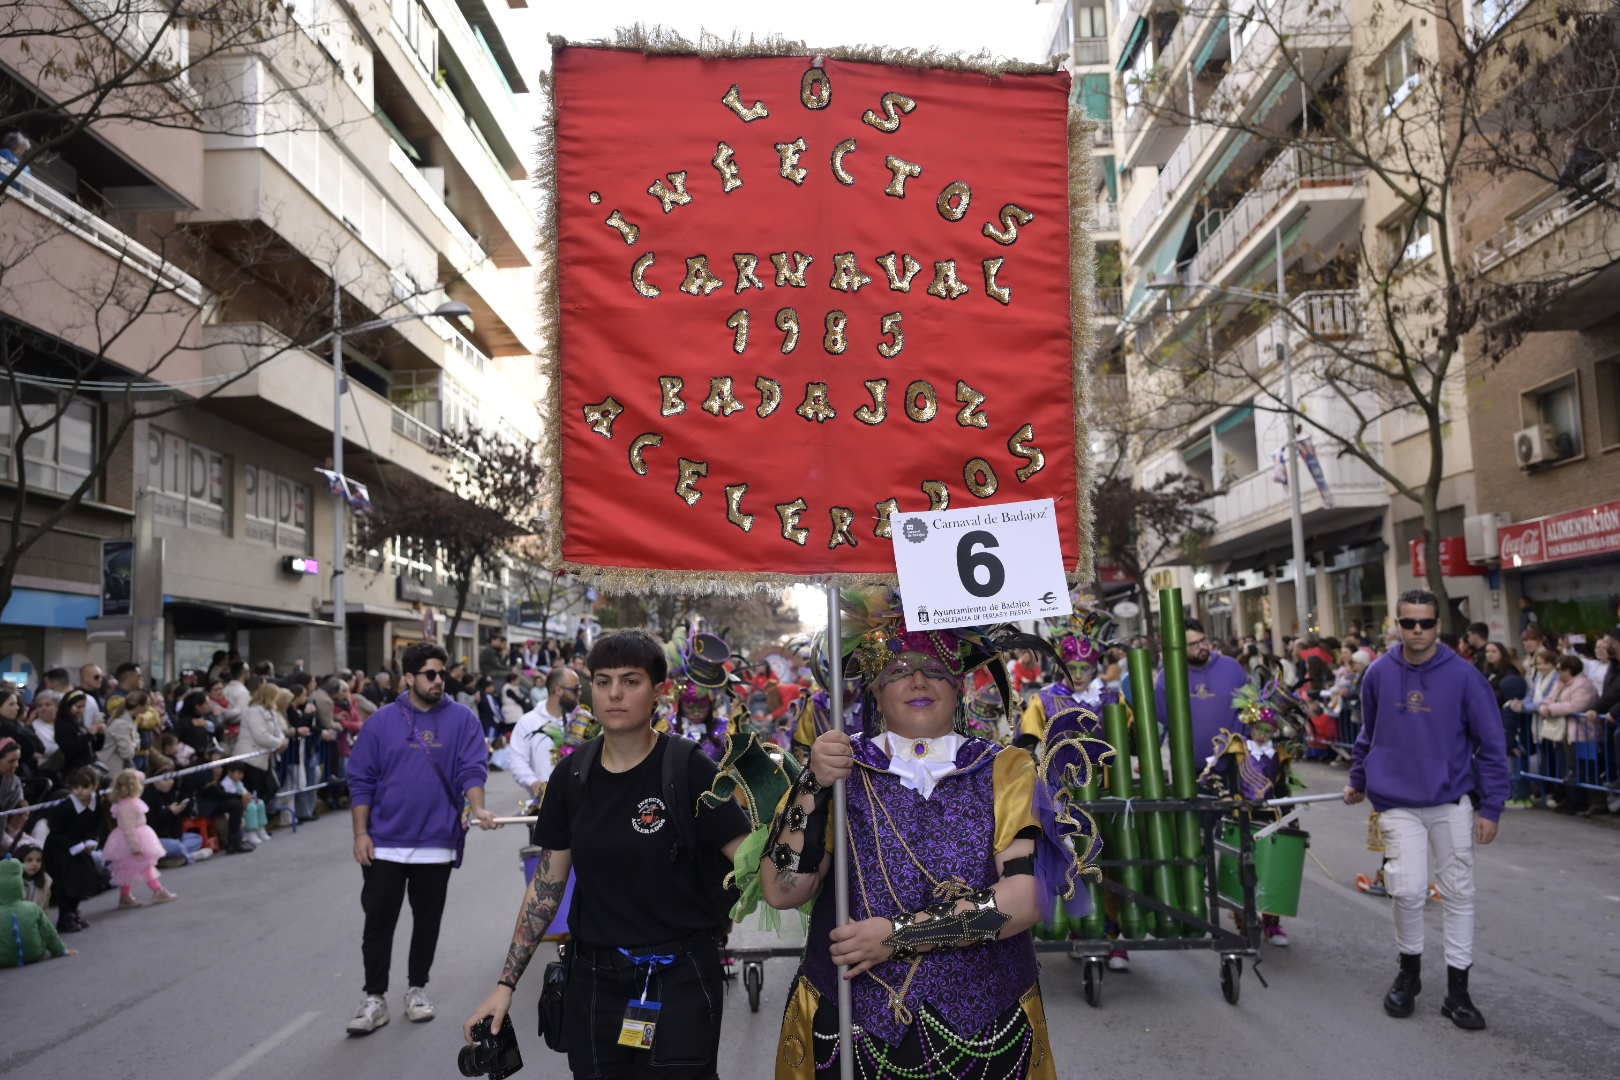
[{"x": 552, "y": 985}]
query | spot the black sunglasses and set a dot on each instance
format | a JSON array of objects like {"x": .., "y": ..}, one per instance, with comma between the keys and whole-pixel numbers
[
  {"x": 1417, "y": 624},
  {"x": 430, "y": 674}
]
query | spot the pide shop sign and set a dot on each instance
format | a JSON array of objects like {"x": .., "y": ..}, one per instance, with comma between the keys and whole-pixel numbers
[
  {"x": 799, "y": 296},
  {"x": 1577, "y": 534}
]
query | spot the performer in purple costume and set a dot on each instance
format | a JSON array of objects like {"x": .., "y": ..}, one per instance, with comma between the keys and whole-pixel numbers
[
  {"x": 703, "y": 695},
  {"x": 956, "y": 844}
]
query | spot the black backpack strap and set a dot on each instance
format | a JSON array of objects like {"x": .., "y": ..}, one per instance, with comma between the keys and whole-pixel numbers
[
  {"x": 677, "y": 789},
  {"x": 579, "y": 765}
]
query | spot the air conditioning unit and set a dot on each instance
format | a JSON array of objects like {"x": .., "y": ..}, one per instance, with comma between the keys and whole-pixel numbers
[
  {"x": 1535, "y": 445},
  {"x": 1479, "y": 535}
]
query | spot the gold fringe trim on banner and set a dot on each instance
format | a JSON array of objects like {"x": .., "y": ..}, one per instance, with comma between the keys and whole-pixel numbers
[{"x": 661, "y": 41}]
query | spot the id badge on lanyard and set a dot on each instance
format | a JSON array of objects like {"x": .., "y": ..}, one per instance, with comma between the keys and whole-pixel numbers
[{"x": 640, "y": 1024}]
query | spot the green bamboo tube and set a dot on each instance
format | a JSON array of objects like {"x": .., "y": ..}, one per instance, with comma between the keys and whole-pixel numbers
[
  {"x": 1183, "y": 771},
  {"x": 1160, "y": 841},
  {"x": 1095, "y": 925},
  {"x": 1116, "y": 726}
]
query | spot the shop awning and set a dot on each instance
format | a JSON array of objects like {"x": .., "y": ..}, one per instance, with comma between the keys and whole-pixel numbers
[
  {"x": 1128, "y": 53},
  {"x": 204, "y": 610},
  {"x": 1217, "y": 38},
  {"x": 42, "y": 607}
]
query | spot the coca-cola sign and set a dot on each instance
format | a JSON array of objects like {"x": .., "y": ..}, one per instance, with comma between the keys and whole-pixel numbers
[{"x": 1577, "y": 534}]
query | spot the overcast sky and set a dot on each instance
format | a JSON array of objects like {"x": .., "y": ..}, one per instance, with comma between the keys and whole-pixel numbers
[{"x": 1010, "y": 28}]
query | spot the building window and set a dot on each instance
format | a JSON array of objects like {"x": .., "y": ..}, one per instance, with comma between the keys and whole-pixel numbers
[
  {"x": 1406, "y": 245},
  {"x": 59, "y": 457},
  {"x": 1606, "y": 375},
  {"x": 277, "y": 510},
  {"x": 419, "y": 31},
  {"x": 1556, "y": 405},
  {"x": 1090, "y": 22},
  {"x": 1401, "y": 65},
  {"x": 1486, "y": 17},
  {"x": 187, "y": 483}
]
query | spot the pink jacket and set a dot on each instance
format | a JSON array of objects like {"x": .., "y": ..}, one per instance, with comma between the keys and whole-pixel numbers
[{"x": 1568, "y": 699}]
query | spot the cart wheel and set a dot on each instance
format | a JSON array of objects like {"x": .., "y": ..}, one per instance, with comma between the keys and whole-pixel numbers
[
  {"x": 754, "y": 981},
  {"x": 1231, "y": 976},
  {"x": 1091, "y": 981}
]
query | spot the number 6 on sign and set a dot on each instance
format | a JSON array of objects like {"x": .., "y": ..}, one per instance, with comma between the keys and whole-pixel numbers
[{"x": 991, "y": 563}]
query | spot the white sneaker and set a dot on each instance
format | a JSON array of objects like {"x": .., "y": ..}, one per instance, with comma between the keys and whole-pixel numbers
[
  {"x": 1119, "y": 960},
  {"x": 202, "y": 854},
  {"x": 372, "y": 1015},
  {"x": 418, "y": 1009},
  {"x": 261, "y": 836}
]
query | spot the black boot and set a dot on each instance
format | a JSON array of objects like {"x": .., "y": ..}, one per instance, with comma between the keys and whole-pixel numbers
[
  {"x": 1457, "y": 1007},
  {"x": 1402, "y": 997}
]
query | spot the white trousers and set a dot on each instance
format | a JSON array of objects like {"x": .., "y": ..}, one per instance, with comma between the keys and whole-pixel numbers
[{"x": 1411, "y": 835}]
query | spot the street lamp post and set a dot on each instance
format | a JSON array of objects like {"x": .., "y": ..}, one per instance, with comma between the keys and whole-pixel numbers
[
  {"x": 340, "y": 515},
  {"x": 1296, "y": 517}
]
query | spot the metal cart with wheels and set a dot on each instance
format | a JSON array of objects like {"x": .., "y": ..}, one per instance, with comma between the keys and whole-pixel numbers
[
  {"x": 1201, "y": 933},
  {"x": 750, "y": 946}
]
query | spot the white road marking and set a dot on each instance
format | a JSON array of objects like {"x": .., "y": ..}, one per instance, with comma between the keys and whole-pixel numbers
[
  {"x": 1616, "y": 899},
  {"x": 258, "y": 1053}
]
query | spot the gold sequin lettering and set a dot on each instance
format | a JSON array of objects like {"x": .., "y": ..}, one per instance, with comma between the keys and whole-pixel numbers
[
  {"x": 842, "y": 518},
  {"x": 884, "y": 528},
  {"x": 841, "y": 174},
  {"x": 787, "y": 321},
  {"x": 721, "y": 401},
  {"x": 954, "y": 200},
  {"x": 972, "y": 401},
  {"x": 739, "y": 323},
  {"x": 789, "y": 153},
  {"x": 1034, "y": 457},
  {"x": 992, "y": 288},
  {"x": 733, "y": 101},
  {"x": 815, "y": 407},
  {"x": 631, "y": 233},
  {"x": 836, "y": 340},
  {"x": 638, "y": 464},
  {"x": 1012, "y": 218},
  {"x": 770, "y": 396},
  {"x": 899, "y": 282},
  {"x": 746, "y": 264},
  {"x": 700, "y": 280},
  {"x": 892, "y": 105},
  {"x": 980, "y": 478},
  {"x": 638, "y": 276},
  {"x": 734, "y": 510},
  {"x": 669, "y": 389},
  {"x": 922, "y": 401},
  {"x": 789, "y": 513},
  {"x": 815, "y": 89},
  {"x": 688, "y": 473},
  {"x": 673, "y": 194},
  {"x": 901, "y": 169},
  {"x": 946, "y": 285},
  {"x": 939, "y": 496},
  {"x": 847, "y": 274},
  {"x": 600, "y": 417},
  {"x": 725, "y": 164},
  {"x": 878, "y": 411},
  {"x": 793, "y": 277},
  {"x": 890, "y": 327}
]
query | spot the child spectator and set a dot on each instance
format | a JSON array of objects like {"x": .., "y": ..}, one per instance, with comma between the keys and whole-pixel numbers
[
  {"x": 211, "y": 800},
  {"x": 33, "y": 937},
  {"x": 254, "y": 816},
  {"x": 170, "y": 746},
  {"x": 133, "y": 849},
  {"x": 36, "y": 882},
  {"x": 149, "y": 718},
  {"x": 75, "y": 832}
]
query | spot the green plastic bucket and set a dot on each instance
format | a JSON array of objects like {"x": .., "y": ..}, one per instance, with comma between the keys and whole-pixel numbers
[{"x": 1279, "y": 868}]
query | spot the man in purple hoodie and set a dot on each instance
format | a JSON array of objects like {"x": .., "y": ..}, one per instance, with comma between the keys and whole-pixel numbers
[
  {"x": 1432, "y": 758},
  {"x": 418, "y": 759}
]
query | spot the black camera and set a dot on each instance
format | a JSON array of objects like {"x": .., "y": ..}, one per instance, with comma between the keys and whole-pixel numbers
[{"x": 494, "y": 1056}]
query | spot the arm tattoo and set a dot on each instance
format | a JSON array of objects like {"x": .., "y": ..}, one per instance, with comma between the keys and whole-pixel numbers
[{"x": 539, "y": 908}]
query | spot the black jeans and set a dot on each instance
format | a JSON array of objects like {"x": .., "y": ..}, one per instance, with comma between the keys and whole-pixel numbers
[
  {"x": 602, "y": 981},
  {"x": 386, "y": 886}
]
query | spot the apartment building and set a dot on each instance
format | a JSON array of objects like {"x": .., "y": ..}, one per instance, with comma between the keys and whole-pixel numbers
[
  {"x": 1546, "y": 415},
  {"x": 1222, "y": 172},
  {"x": 355, "y": 163}
]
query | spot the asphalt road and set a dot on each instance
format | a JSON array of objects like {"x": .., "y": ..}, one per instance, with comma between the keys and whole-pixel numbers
[{"x": 254, "y": 972}]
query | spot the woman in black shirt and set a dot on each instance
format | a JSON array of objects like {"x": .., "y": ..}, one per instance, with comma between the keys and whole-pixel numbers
[{"x": 648, "y": 911}]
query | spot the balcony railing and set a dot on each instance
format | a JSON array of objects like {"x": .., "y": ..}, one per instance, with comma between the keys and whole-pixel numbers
[
  {"x": 1091, "y": 51},
  {"x": 1295, "y": 168},
  {"x": 1109, "y": 302},
  {"x": 1246, "y": 504},
  {"x": 1557, "y": 209},
  {"x": 418, "y": 432},
  {"x": 103, "y": 234},
  {"x": 1105, "y": 215}
]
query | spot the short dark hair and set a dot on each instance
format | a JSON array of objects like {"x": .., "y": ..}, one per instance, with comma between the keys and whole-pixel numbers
[
  {"x": 1421, "y": 597},
  {"x": 1193, "y": 624},
  {"x": 415, "y": 658},
  {"x": 235, "y": 669},
  {"x": 58, "y": 674},
  {"x": 629, "y": 649},
  {"x": 125, "y": 668},
  {"x": 83, "y": 776},
  {"x": 1571, "y": 664},
  {"x": 1481, "y": 629}
]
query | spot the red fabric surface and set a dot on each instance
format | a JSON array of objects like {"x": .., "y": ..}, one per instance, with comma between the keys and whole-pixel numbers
[{"x": 623, "y": 121}]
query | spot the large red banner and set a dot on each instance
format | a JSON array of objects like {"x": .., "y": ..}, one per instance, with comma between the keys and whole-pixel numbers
[
  {"x": 798, "y": 294},
  {"x": 1576, "y": 534}
]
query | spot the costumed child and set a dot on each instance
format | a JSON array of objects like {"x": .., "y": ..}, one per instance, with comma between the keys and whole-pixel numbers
[
  {"x": 1081, "y": 640},
  {"x": 26, "y": 935},
  {"x": 704, "y": 695},
  {"x": 133, "y": 848},
  {"x": 75, "y": 834}
]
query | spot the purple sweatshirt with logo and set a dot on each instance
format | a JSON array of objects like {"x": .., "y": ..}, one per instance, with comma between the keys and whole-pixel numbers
[
  {"x": 1211, "y": 689},
  {"x": 397, "y": 765},
  {"x": 1431, "y": 733}
]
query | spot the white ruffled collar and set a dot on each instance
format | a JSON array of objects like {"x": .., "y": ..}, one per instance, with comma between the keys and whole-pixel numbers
[
  {"x": 1261, "y": 750},
  {"x": 921, "y": 763}
]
